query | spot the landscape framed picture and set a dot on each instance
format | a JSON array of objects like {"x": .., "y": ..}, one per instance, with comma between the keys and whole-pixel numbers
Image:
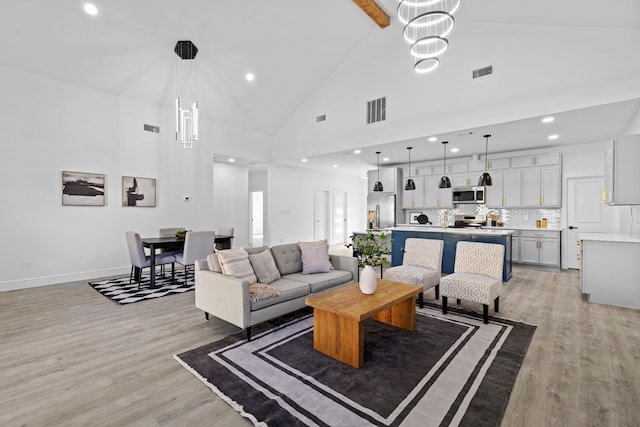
[
  {"x": 138, "y": 191},
  {"x": 82, "y": 189}
]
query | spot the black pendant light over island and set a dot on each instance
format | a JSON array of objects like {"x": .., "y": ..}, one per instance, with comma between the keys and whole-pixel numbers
[
  {"x": 445, "y": 182},
  {"x": 378, "y": 185},
  {"x": 410, "y": 185},
  {"x": 485, "y": 178}
]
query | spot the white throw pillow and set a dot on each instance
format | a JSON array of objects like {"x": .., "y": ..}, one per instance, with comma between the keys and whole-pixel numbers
[
  {"x": 235, "y": 262},
  {"x": 315, "y": 259},
  {"x": 213, "y": 263},
  {"x": 264, "y": 267}
]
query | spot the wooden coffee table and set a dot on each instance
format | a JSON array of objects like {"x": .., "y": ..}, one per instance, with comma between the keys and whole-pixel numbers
[{"x": 339, "y": 314}]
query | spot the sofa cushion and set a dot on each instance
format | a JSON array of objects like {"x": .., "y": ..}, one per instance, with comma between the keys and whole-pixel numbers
[
  {"x": 235, "y": 262},
  {"x": 321, "y": 281},
  {"x": 289, "y": 289},
  {"x": 315, "y": 259},
  {"x": 255, "y": 250},
  {"x": 264, "y": 267},
  {"x": 288, "y": 258}
]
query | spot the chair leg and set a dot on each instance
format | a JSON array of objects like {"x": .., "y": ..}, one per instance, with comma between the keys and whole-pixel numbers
[
  {"x": 131, "y": 275},
  {"x": 421, "y": 299},
  {"x": 206, "y": 315},
  {"x": 186, "y": 279},
  {"x": 173, "y": 272},
  {"x": 458, "y": 301},
  {"x": 485, "y": 313},
  {"x": 496, "y": 304},
  {"x": 444, "y": 304},
  {"x": 437, "y": 291},
  {"x": 248, "y": 332}
]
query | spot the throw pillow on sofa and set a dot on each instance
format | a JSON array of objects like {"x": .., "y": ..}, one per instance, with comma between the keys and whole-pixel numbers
[
  {"x": 264, "y": 267},
  {"x": 213, "y": 263},
  {"x": 235, "y": 262},
  {"x": 315, "y": 259},
  {"x": 316, "y": 243}
]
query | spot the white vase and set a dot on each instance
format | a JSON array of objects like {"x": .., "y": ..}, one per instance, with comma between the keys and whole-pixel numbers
[{"x": 368, "y": 280}]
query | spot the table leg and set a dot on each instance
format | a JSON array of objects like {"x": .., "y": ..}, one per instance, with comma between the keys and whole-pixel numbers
[
  {"x": 152, "y": 265},
  {"x": 401, "y": 315},
  {"x": 338, "y": 337}
]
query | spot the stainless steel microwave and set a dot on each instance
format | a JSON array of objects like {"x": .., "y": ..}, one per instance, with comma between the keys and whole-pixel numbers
[{"x": 468, "y": 194}]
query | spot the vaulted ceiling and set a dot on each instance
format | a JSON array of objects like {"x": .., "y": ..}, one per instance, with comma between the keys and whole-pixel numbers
[{"x": 292, "y": 46}]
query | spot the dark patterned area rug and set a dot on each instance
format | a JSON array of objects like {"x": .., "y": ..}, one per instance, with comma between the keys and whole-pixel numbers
[
  {"x": 453, "y": 370},
  {"x": 120, "y": 291}
]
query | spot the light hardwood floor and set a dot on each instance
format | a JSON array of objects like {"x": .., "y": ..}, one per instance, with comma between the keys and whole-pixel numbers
[{"x": 71, "y": 357}]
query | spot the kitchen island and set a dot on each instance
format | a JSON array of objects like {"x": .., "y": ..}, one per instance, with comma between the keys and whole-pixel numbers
[{"x": 451, "y": 236}]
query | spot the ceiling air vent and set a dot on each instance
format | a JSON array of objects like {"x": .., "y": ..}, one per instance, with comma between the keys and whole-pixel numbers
[
  {"x": 377, "y": 110},
  {"x": 482, "y": 71},
  {"x": 321, "y": 118},
  {"x": 151, "y": 128}
]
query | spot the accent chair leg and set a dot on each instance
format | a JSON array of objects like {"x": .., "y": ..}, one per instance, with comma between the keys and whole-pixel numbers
[
  {"x": 421, "y": 299},
  {"x": 131, "y": 275},
  {"x": 248, "y": 332},
  {"x": 173, "y": 272},
  {"x": 437, "y": 291},
  {"x": 458, "y": 301},
  {"x": 206, "y": 315},
  {"x": 444, "y": 304},
  {"x": 186, "y": 279},
  {"x": 496, "y": 304},
  {"x": 485, "y": 313}
]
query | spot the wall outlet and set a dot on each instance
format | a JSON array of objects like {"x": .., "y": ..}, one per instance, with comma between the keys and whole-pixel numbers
[{"x": 27, "y": 264}]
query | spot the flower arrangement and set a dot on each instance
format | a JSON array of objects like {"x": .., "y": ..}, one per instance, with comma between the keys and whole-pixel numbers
[{"x": 370, "y": 248}]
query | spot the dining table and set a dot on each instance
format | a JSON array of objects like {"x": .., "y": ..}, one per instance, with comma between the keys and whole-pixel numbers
[{"x": 173, "y": 243}]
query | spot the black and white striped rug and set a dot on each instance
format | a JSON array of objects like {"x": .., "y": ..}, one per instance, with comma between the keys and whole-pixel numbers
[{"x": 120, "y": 291}]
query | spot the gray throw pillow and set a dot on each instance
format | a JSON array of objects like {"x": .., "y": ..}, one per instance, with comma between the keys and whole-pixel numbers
[
  {"x": 264, "y": 267},
  {"x": 317, "y": 243},
  {"x": 315, "y": 259},
  {"x": 235, "y": 262}
]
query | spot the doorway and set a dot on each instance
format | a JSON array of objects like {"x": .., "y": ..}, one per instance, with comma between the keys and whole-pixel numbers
[
  {"x": 340, "y": 198},
  {"x": 322, "y": 228},
  {"x": 257, "y": 218}
]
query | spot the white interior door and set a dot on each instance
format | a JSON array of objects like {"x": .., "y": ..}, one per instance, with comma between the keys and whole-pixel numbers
[
  {"x": 585, "y": 213},
  {"x": 340, "y": 199},
  {"x": 323, "y": 215},
  {"x": 257, "y": 218}
]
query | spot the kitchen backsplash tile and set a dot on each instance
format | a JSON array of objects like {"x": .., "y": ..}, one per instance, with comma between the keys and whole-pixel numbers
[{"x": 520, "y": 217}]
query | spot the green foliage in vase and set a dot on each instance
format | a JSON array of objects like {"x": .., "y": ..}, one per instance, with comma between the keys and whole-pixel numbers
[{"x": 370, "y": 248}]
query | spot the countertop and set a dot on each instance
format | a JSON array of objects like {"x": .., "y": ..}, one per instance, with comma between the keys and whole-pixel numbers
[
  {"x": 492, "y": 231},
  {"x": 610, "y": 237},
  {"x": 483, "y": 228}
]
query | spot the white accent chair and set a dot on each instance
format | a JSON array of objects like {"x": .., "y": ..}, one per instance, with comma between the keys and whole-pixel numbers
[
  {"x": 421, "y": 265},
  {"x": 139, "y": 260},
  {"x": 477, "y": 276},
  {"x": 197, "y": 245}
]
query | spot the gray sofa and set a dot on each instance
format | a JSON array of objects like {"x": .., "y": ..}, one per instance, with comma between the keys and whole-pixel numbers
[{"x": 227, "y": 297}]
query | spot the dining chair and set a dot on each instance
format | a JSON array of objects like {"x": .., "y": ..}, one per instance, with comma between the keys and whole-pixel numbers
[
  {"x": 139, "y": 260},
  {"x": 477, "y": 276},
  {"x": 168, "y": 232},
  {"x": 197, "y": 245},
  {"x": 225, "y": 231},
  {"x": 421, "y": 265}
]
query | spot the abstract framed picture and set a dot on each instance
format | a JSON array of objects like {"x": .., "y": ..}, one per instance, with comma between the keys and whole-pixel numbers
[
  {"x": 82, "y": 189},
  {"x": 138, "y": 191}
]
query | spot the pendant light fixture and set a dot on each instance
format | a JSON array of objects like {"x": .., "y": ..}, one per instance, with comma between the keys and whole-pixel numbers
[
  {"x": 378, "y": 185},
  {"x": 410, "y": 185},
  {"x": 485, "y": 178},
  {"x": 187, "y": 93},
  {"x": 445, "y": 182}
]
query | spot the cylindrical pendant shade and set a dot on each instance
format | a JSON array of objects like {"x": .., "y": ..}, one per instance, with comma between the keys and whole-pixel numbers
[
  {"x": 445, "y": 182},
  {"x": 410, "y": 185},
  {"x": 485, "y": 180}
]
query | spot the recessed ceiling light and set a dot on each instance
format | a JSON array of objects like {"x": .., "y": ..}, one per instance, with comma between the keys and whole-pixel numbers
[
  {"x": 304, "y": 160},
  {"x": 552, "y": 137},
  {"x": 548, "y": 119},
  {"x": 335, "y": 166},
  {"x": 455, "y": 150},
  {"x": 91, "y": 9},
  {"x": 357, "y": 151},
  {"x": 386, "y": 159},
  {"x": 433, "y": 138},
  {"x": 249, "y": 77},
  {"x": 231, "y": 160}
]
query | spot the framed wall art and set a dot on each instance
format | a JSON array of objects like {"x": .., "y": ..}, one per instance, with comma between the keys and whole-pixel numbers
[
  {"x": 138, "y": 191},
  {"x": 82, "y": 189}
]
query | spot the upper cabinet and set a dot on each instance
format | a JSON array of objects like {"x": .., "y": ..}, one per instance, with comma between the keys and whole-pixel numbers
[
  {"x": 536, "y": 160},
  {"x": 389, "y": 177},
  {"x": 541, "y": 186},
  {"x": 621, "y": 170},
  {"x": 506, "y": 191}
]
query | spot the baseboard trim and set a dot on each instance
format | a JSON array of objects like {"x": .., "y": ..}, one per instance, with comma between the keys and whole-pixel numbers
[{"x": 34, "y": 282}]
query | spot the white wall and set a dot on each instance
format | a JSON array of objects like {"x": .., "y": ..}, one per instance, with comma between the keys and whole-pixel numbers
[
  {"x": 259, "y": 181},
  {"x": 49, "y": 127},
  {"x": 292, "y": 200},
  {"x": 231, "y": 200}
]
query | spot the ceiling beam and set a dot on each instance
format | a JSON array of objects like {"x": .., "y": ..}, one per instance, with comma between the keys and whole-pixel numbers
[{"x": 374, "y": 11}]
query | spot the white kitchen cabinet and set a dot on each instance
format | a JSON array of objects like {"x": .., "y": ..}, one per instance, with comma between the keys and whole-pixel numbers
[
  {"x": 506, "y": 190},
  {"x": 515, "y": 246},
  {"x": 540, "y": 247},
  {"x": 389, "y": 177},
  {"x": 413, "y": 198},
  {"x": 479, "y": 165},
  {"x": 536, "y": 160},
  {"x": 462, "y": 180},
  {"x": 541, "y": 186},
  {"x": 435, "y": 197},
  {"x": 621, "y": 170},
  {"x": 457, "y": 167}
]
